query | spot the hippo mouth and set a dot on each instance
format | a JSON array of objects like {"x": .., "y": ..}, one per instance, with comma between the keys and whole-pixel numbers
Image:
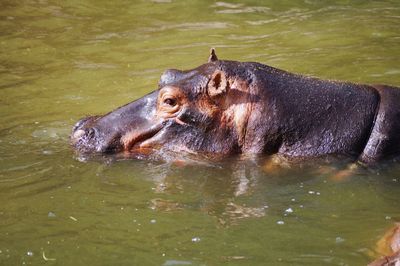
[
  {"x": 135, "y": 139},
  {"x": 88, "y": 138}
]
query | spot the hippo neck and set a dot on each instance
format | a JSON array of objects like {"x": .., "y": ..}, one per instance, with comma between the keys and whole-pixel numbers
[{"x": 293, "y": 114}]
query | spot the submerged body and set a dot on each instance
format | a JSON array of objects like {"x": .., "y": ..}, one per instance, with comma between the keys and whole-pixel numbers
[
  {"x": 389, "y": 246},
  {"x": 229, "y": 107}
]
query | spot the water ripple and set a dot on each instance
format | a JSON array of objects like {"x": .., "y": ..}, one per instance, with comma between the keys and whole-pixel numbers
[
  {"x": 238, "y": 8},
  {"x": 189, "y": 26}
]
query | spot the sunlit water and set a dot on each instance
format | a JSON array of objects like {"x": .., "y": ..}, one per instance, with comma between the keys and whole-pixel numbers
[{"x": 62, "y": 60}]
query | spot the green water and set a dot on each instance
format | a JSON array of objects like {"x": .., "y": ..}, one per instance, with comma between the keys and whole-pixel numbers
[{"x": 62, "y": 60}]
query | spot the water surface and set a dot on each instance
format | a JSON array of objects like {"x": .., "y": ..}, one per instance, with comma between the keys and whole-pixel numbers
[{"x": 60, "y": 61}]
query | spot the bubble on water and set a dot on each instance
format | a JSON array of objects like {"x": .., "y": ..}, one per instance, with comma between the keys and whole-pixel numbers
[
  {"x": 388, "y": 217},
  {"x": 339, "y": 240},
  {"x": 51, "y": 215},
  {"x": 280, "y": 222},
  {"x": 29, "y": 253},
  {"x": 153, "y": 221},
  {"x": 311, "y": 192},
  {"x": 196, "y": 239},
  {"x": 289, "y": 210},
  {"x": 293, "y": 200}
]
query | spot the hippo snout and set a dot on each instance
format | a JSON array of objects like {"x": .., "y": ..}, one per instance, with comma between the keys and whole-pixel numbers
[
  {"x": 87, "y": 138},
  {"x": 79, "y": 134},
  {"x": 81, "y": 130}
]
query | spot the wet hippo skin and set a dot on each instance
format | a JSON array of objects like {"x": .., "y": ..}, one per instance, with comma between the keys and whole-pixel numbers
[
  {"x": 228, "y": 107},
  {"x": 389, "y": 246}
]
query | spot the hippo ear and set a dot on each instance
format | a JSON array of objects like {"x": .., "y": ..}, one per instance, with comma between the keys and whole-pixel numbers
[
  {"x": 217, "y": 85},
  {"x": 213, "y": 57}
]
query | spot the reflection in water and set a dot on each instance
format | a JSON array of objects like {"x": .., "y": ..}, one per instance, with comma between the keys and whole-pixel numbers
[{"x": 223, "y": 188}]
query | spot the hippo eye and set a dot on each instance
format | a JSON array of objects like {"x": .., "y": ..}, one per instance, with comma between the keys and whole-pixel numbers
[{"x": 170, "y": 101}]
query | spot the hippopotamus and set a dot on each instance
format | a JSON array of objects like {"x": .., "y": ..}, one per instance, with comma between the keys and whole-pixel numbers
[
  {"x": 228, "y": 107},
  {"x": 389, "y": 246}
]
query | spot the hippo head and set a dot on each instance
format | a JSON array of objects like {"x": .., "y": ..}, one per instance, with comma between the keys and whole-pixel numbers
[{"x": 201, "y": 110}]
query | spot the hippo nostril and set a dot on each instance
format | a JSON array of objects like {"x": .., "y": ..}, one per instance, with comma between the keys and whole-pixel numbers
[
  {"x": 85, "y": 122},
  {"x": 91, "y": 132},
  {"x": 87, "y": 134},
  {"x": 80, "y": 124},
  {"x": 78, "y": 133}
]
